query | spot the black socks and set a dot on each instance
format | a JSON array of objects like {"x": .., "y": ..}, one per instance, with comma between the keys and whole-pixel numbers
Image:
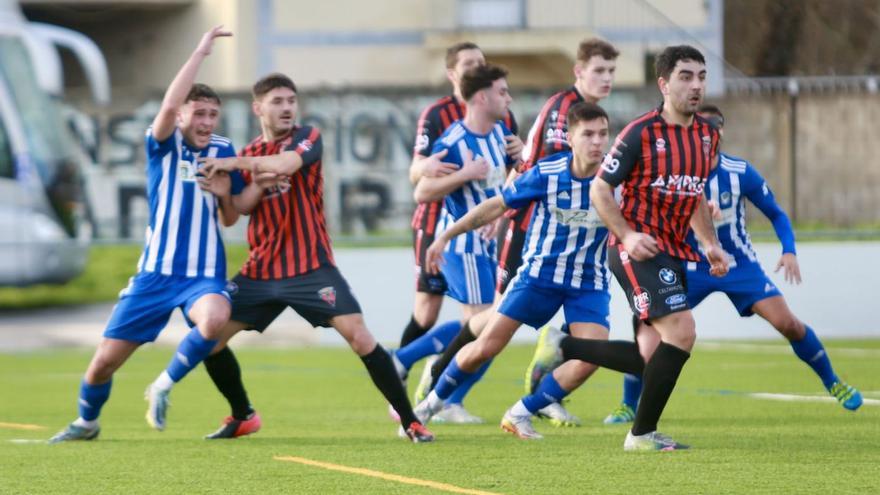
[
  {"x": 412, "y": 331},
  {"x": 381, "y": 370},
  {"x": 618, "y": 355},
  {"x": 224, "y": 370},
  {"x": 659, "y": 379}
]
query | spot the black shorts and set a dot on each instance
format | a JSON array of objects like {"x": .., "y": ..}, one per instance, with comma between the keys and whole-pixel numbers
[
  {"x": 511, "y": 238},
  {"x": 426, "y": 282},
  {"x": 655, "y": 287},
  {"x": 317, "y": 296}
]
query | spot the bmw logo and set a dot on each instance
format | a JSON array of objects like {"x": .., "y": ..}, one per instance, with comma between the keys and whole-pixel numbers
[{"x": 668, "y": 276}]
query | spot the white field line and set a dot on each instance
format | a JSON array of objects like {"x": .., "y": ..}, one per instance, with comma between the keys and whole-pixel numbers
[
  {"x": 385, "y": 476},
  {"x": 804, "y": 398},
  {"x": 783, "y": 349}
]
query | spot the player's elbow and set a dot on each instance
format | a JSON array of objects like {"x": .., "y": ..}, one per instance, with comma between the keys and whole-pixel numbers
[{"x": 423, "y": 194}]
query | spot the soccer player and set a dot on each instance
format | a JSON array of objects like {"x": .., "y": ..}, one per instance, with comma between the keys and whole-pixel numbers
[
  {"x": 564, "y": 266},
  {"x": 183, "y": 264},
  {"x": 732, "y": 181},
  {"x": 662, "y": 159},
  {"x": 430, "y": 288},
  {"x": 291, "y": 261},
  {"x": 594, "y": 77}
]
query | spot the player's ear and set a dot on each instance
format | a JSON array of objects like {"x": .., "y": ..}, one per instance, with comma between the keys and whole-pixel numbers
[
  {"x": 577, "y": 69},
  {"x": 663, "y": 85},
  {"x": 450, "y": 74},
  {"x": 255, "y": 107}
]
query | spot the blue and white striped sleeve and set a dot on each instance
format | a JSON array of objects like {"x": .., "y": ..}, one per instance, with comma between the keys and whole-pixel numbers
[{"x": 759, "y": 193}]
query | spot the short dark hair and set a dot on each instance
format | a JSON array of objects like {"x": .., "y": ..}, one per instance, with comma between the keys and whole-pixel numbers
[
  {"x": 270, "y": 82},
  {"x": 200, "y": 91},
  {"x": 713, "y": 109},
  {"x": 452, "y": 52},
  {"x": 595, "y": 46},
  {"x": 665, "y": 62},
  {"x": 584, "y": 112},
  {"x": 480, "y": 77}
]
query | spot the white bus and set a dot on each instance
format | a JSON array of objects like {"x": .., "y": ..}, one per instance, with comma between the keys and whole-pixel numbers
[{"x": 42, "y": 238}]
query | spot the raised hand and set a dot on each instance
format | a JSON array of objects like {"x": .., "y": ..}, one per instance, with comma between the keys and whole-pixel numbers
[
  {"x": 210, "y": 166},
  {"x": 207, "y": 41},
  {"x": 219, "y": 185}
]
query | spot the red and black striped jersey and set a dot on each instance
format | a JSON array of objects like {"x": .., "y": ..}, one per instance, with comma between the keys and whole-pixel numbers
[
  {"x": 287, "y": 233},
  {"x": 548, "y": 135},
  {"x": 663, "y": 168},
  {"x": 431, "y": 125}
]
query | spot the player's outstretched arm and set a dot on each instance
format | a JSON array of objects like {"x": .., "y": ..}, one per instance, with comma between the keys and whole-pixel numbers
[
  {"x": 220, "y": 186},
  {"x": 436, "y": 188},
  {"x": 164, "y": 122},
  {"x": 484, "y": 213},
  {"x": 282, "y": 164},
  {"x": 250, "y": 196},
  {"x": 704, "y": 229}
]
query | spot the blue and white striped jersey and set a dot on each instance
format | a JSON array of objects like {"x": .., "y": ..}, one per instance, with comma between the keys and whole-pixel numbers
[
  {"x": 457, "y": 140},
  {"x": 566, "y": 244},
  {"x": 729, "y": 184},
  {"x": 183, "y": 237}
]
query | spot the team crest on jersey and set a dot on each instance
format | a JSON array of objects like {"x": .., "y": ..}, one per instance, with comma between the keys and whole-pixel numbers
[
  {"x": 305, "y": 145},
  {"x": 725, "y": 197},
  {"x": 641, "y": 300},
  {"x": 422, "y": 142},
  {"x": 707, "y": 144},
  {"x": 660, "y": 144},
  {"x": 185, "y": 171},
  {"x": 668, "y": 276},
  {"x": 328, "y": 295}
]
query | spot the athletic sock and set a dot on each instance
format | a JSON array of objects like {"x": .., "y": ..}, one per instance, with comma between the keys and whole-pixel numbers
[
  {"x": 433, "y": 342},
  {"x": 810, "y": 350},
  {"x": 463, "y": 338},
  {"x": 548, "y": 392},
  {"x": 384, "y": 376},
  {"x": 618, "y": 355},
  {"x": 192, "y": 350},
  {"x": 412, "y": 331},
  {"x": 659, "y": 377},
  {"x": 92, "y": 399},
  {"x": 462, "y": 390},
  {"x": 225, "y": 372},
  {"x": 451, "y": 378},
  {"x": 632, "y": 389}
]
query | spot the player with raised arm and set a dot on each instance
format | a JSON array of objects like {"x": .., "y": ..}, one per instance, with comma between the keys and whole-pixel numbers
[
  {"x": 291, "y": 260},
  {"x": 731, "y": 182},
  {"x": 183, "y": 264}
]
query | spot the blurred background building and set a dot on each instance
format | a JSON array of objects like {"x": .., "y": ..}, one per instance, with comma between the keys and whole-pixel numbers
[{"x": 797, "y": 81}]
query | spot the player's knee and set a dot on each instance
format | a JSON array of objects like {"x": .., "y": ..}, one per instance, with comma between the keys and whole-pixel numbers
[
  {"x": 790, "y": 327},
  {"x": 212, "y": 324}
]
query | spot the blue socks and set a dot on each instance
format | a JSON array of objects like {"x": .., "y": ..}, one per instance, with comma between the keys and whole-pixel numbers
[
  {"x": 462, "y": 390},
  {"x": 632, "y": 389},
  {"x": 548, "y": 392},
  {"x": 92, "y": 399},
  {"x": 810, "y": 350},
  {"x": 451, "y": 379},
  {"x": 433, "y": 342},
  {"x": 192, "y": 350}
]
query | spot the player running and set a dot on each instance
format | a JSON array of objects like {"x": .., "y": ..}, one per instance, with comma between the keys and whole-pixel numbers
[
  {"x": 183, "y": 264},
  {"x": 564, "y": 267},
  {"x": 731, "y": 182}
]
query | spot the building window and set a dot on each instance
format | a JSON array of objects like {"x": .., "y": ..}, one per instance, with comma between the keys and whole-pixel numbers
[{"x": 491, "y": 14}]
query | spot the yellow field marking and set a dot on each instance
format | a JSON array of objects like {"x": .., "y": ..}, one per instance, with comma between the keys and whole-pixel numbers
[
  {"x": 19, "y": 426},
  {"x": 385, "y": 476}
]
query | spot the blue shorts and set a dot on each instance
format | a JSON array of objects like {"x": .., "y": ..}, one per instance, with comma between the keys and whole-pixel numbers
[
  {"x": 470, "y": 278},
  {"x": 145, "y": 306},
  {"x": 535, "y": 305},
  {"x": 744, "y": 285}
]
